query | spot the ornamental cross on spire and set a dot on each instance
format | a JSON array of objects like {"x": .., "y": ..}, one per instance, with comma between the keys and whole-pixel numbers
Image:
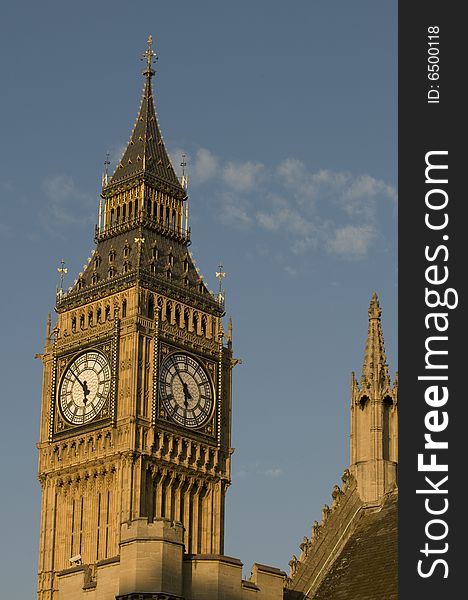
[
  {"x": 220, "y": 276},
  {"x": 62, "y": 270},
  {"x": 150, "y": 56}
]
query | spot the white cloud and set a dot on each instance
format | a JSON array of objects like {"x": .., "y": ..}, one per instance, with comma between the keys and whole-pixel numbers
[
  {"x": 116, "y": 153},
  {"x": 257, "y": 469},
  {"x": 276, "y": 472},
  {"x": 289, "y": 219},
  {"x": 204, "y": 166},
  {"x": 365, "y": 186},
  {"x": 293, "y": 173},
  {"x": 242, "y": 176},
  {"x": 234, "y": 210},
  {"x": 64, "y": 204},
  {"x": 352, "y": 241},
  {"x": 334, "y": 210}
]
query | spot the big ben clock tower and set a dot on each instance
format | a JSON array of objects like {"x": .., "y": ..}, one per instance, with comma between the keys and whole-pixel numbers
[{"x": 136, "y": 402}]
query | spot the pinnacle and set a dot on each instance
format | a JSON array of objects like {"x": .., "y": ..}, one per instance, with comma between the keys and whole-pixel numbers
[
  {"x": 374, "y": 307},
  {"x": 375, "y": 378},
  {"x": 146, "y": 152}
]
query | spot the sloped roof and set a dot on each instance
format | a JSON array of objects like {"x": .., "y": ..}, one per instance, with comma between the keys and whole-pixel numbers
[
  {"x": 130, "y": 260},
  {"x": 367, "y": 566},
  {"x": 146, "y": 152}
]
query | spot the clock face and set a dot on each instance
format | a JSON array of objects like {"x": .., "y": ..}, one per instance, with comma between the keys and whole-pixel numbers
[
  {"x": 185, "y": 390},
  {"x": 85, "y": 387}
]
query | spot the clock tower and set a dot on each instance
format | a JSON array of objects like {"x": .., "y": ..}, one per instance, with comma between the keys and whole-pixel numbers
[{"x": 136, "y": 401}]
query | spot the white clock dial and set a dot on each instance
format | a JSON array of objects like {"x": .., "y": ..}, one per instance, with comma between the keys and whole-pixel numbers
[
  {"x": 185, "y": 390},
  {"x": 85, "y": 387}
]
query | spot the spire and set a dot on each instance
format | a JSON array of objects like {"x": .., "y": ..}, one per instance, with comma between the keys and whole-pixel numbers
[
  {"x": 145, "y": 152},
  {"x": 374, "y": 418},
  {"x": 375, "y": 377}
]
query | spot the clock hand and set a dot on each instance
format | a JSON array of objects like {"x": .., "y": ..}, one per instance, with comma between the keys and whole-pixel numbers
[
  {"x": 85, "y": 392},
  {"x": 187, "y": 394},
  {"x": 84, "y": 386},
  {"x": 178, "y": 375},
  {"x": 76, "y": 377}
]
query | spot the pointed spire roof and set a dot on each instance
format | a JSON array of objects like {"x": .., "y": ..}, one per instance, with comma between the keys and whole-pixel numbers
[
  {"x": 146, "y": 152},
  {"x": 375, "y": 377}
]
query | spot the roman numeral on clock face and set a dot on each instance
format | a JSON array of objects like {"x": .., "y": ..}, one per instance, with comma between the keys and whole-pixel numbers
[
  {"x": 185, "y": 390},
  {"x": 85, "y": 387}
]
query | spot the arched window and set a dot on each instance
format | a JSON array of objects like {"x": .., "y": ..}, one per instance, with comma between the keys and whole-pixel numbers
[
  {"x": 124, "y": 308},
  {"x": 90, "y": 318},
  {"x": 107, "y": 312},
  {"x": 73, "y": 324},
  {"x": 168, "y": 312},
  {"x": 130, "y": 209},
  {"x": 203, "y": 325},
  {"x": 151, "y": 307},
  {"x": 98, "y": 315}
]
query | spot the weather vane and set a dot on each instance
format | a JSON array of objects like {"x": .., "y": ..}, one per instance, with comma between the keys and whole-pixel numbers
[
  {"x": 220, "y": 275},
  {"x": 183, "y": 164},
  {"x": 106, "y": 164},
  {"x": 150, "y": 56},
  {"x": 63, "y": 271},
  {"x": 105, "y": 179}
]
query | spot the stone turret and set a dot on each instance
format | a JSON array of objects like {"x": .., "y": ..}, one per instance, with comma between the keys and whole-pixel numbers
[{"x": 374, "y": 417}]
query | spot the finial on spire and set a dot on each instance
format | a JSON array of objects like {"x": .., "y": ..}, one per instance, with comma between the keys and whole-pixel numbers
[
  {"x": 183, "y": 164},
  {"x": 375, "y": 369},
  {"x": 220, "y": 276},
  {"x": 150, "y": 56},
  {"x": 62, "y": 270},
  {"x": 374, "y": 307},
  {"x": 106, "y": 168}
]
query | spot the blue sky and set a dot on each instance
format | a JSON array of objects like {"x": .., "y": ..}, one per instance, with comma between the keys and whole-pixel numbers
[{"x": 287, "y": 114}]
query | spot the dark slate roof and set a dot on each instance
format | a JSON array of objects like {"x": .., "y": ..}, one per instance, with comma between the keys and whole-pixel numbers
[
  {"x": 146, "y": 153},
  {"x": 367, "y": 566},
  {"x": 118, "y": 260}
]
